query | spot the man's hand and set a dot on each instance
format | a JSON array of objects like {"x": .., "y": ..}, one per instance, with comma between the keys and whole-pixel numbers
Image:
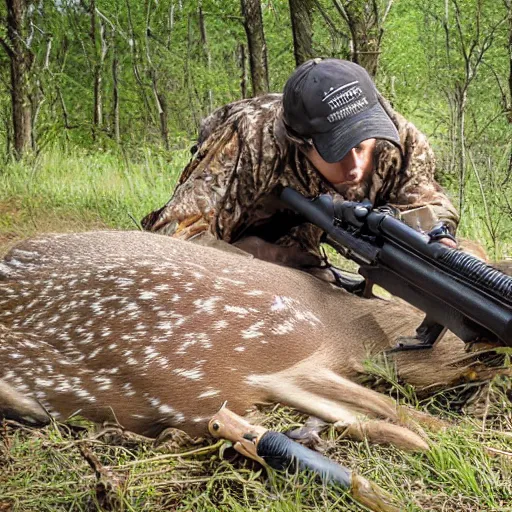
[
  {"x": 449, "y": 242},
  {"x": 442, "y": 235}
]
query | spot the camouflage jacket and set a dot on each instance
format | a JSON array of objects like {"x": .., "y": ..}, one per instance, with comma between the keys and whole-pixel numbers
[{"x": 243, "y": 159}]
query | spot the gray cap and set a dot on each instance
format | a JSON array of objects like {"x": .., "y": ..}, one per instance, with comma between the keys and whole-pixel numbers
[{"x": 335, "y": 103}]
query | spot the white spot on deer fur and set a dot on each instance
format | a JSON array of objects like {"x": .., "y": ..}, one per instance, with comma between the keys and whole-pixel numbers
[
  {"x": 25, "y": 254},
  {"x": 94, "y": 353},
  {"x": 307, "y": 316},
  {"x": 163, "y": 362},
  {"x": 45, "y": 383},
  {"x": 53, "y": 319},
  {"x": 165, "y": 409},
  {"x": 131, "y": 361},
  {"x": 150, "y": 353},
  {"x": 283, "y": 328},
  {"x": 123, "y": 282},
  {"x": 206, "y": 305},
  {"x": 161, "y": 287},
  {"x": 175, "y": 298},
  {"x": 254, "y": 293},
  {"x": 239, "y": 349},
  {"x": 195, "y": 374},
  {"x": 179, "y": 417},
  {"x": 147, "y": 295},
  {"x": 278, "y": 304},
  {"x": 82, "y": 393},
  {"x": 64, "y": 386},
  {"x": 97, "y": 307},
  {"x": 155, "y": 402},
  {"x": 236, "y": 309},
  {"x": 164, "y": 326},
  {"x": 200, "y": 419},
  {"x": 209, "y": 393},
  {"x": 13, "y": 262},
  {"x": 130, "y": 307},
  {"x": 105, "y": 382},
  {"x": 220, "y": 324},
  {"x": 128, "y": 390},
  {"x": 253, "y": 331},
  {"x": 5, "y": 270}
]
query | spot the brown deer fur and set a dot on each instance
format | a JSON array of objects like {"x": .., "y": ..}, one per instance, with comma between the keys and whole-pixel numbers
[{"x": 155, "y": 332}]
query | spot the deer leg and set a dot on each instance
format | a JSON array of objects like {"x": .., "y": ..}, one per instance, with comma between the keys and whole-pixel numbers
[
  {"x": 349, "y": 409},
  {"x": 18, "y": 407}
]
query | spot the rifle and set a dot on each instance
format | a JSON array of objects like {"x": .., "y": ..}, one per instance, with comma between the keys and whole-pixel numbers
[{"x": 455, "y": 290}]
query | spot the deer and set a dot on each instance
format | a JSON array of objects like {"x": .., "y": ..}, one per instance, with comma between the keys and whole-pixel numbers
[{"x": 156, "y": 333}]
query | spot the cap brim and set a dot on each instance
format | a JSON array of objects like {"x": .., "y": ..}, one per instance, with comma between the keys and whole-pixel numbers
[{"x": 334, "y": 145}]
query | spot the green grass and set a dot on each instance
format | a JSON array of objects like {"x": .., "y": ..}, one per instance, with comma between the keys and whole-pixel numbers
[
  {"x": 46, "y": 471},
  {"x": 469, "y": 467},
  {"x": 84, "y": 190}
]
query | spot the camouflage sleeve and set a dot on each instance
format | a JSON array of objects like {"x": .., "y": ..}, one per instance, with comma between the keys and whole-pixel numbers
[
  {"x": 414, "y": 185},
  {"x": 201, "y": 187},
  {"x": 233, "y": 170}
]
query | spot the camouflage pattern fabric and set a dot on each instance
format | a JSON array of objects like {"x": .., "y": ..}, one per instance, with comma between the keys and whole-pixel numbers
[{"x": 230, "y": 189}]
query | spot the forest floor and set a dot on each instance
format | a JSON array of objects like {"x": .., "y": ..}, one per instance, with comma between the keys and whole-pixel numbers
[{"x": 75, "y": 466}]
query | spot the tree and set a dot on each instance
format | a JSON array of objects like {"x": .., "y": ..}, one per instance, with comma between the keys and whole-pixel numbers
[
  {"x": 18, "y": 49},
  {"x": 365, "y": 20},
  {"x": 253, "y": 24},
  {"x": 302, "y": 28}
]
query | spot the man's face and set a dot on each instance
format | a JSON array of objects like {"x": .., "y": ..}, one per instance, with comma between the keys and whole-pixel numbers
[{"x": 352, "y": 170}]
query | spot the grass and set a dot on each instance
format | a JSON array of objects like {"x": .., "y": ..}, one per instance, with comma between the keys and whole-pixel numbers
[
  {"x": 73, "y": 467},
  {"x": 46, "y": 471},
  {"x": 78, "y": 191}
]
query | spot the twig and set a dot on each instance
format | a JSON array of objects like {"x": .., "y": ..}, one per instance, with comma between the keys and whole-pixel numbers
[
  {"x": 499, "y": 452},
  {"x": 197, "y": 451}
]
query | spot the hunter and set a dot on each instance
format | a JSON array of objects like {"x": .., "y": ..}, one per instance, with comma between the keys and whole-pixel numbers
[{"x": 329, "y": 132}]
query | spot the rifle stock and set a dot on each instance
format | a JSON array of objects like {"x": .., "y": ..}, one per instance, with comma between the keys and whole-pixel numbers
[{"x": 455, "y": 290}]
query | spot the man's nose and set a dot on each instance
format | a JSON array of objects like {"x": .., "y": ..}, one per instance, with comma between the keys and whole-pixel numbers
[{"x": 352, "y": 160}]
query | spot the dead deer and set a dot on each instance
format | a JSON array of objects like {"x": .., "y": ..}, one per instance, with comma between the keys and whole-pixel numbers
[{"x": 155, "y": 332}]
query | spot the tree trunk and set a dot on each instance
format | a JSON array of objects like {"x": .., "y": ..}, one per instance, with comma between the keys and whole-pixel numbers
[
  {"x": 100, "y": 48},
  {"x": 253, "y": 23},
  {"x": 21, "y": 59},
  {"x": 461, "y": 104},
  {"x": 242, "y": 59},
  {"x": 207, "y": 54},
  {"x": 302, "y": 29},
  {"x": 366, "y": 24},
  {"x": 115, "y": 96}
]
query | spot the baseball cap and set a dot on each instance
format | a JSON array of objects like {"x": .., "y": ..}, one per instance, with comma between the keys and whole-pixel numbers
[{"x": 335, "y": 103}]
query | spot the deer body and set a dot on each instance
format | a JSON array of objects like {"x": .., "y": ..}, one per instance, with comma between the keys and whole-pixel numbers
[{"x": 155, "y": 332}]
